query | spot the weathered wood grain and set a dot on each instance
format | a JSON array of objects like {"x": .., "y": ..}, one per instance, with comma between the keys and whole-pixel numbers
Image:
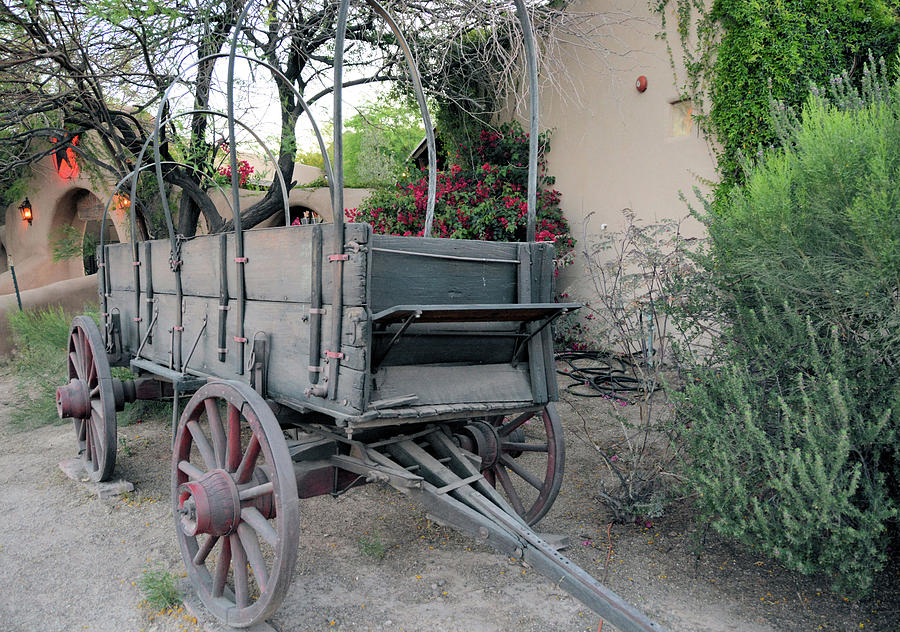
[
  {"x": 441, "y": 384},
  {"x": 399, "y": 279}
]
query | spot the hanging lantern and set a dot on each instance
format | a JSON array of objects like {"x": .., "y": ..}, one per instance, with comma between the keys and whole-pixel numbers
[
  {"x": 121, "y": 203},
  {"x": 27, "y": 213},
  {"x": 64, "y": 157}
]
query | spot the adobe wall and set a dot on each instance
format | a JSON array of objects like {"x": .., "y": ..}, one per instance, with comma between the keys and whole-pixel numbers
[
  {"x": 55, "y": 202},
  {"x": 613, "y": 147}
]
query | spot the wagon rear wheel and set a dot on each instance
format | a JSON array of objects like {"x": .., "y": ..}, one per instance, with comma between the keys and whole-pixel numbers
[
  {"x": 523, "y": 456},
  {"x": 89, "y": 398},
  {"x": 234, "y": 493}
]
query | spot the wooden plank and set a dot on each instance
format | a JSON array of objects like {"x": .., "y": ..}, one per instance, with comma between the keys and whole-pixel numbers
[
  {"x": 451, "y": 247},
  {"x": 548, "y": 276},
  {"x": 535, "y": 359},
  {"x": 441, "y": 384},
  {"x": 200, "y": 274},
  {"x": 405, "y": 279},
  {"x": 398, "y": 281},
  {"x": 473, "y": 313},
  {"x": 277, "y": 264},
  {"x": 121, "y": 276}
]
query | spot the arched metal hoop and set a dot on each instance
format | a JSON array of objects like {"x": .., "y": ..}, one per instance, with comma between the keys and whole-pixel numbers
[{"x": 109, "y": 201}]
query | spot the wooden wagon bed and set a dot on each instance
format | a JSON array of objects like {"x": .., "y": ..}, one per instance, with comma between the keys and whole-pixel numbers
[{"x": 431, "y": 328}]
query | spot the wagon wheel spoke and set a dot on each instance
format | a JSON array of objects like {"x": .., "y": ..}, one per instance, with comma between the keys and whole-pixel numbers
[
  {"x": 513, "y": 446},
  {"x": 252, "y": 517},
  {"x": 204, "y": 551},
  {"x": 75, "y": 363},
  {"x": 248, "y": 462},
  {"x": 255, "y": 492},
  {"x": 254, "y": 555},
  {"x": 511, "y": 492},
  {"x": 92, "y": 374},
  {"x": 246, "y": 510},
  {"x": 516, "y": 423},
  {"x": 216, "y": 430},
  {"x": 522, "y": 473},
  {"x": 239, "y": 569},
  {"x": 222, "y": 564},
  {"x": 87, "y": 357},
  {"x": 234, "y": 438},
  {"x": 206, "y": 451},
  {"x": 192, "y": 471}
]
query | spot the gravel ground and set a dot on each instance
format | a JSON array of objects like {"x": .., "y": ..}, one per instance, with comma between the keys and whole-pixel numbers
[{"x": 70, "y": 562}]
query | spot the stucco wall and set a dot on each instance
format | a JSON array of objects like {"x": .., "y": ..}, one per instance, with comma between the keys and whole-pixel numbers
[
  {"x": 613, "y": 147},
  {"x": 55, "y": 203}
]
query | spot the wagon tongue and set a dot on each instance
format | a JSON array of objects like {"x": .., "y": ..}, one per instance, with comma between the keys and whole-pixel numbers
[{"x": 455, "y": 493}]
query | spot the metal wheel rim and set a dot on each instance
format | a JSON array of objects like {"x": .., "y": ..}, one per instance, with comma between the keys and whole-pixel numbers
[
  {"x": 500, "y": 474},
  {"x": 252, "y": 411},
  {"x": 96, "y": 436}
]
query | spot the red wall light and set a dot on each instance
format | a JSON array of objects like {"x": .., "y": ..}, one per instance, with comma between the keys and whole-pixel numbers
[
  {"x": 641, "y": 83},
  {"x": 64, "y": 158},
  {"x": 27, "y": 213}
]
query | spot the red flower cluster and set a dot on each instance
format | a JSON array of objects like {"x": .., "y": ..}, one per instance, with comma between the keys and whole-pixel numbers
[
  {"x": 487, "y": 200},
  {"x": 244, "y": 171}
]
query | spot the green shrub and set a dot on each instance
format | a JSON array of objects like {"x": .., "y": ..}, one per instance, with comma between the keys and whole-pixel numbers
[
  {"x": 792, "y": 423},
  {"x": 160, "y": 588},
  {"x": 39, "y": 363}
]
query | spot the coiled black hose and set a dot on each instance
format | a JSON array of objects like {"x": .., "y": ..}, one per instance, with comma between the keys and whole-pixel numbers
[{"x": 600, "y": 374}]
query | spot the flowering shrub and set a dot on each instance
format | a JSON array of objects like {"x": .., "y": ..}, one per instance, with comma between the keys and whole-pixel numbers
[
  {"x": 244, "y": 171},
  {"x": 487, "y": 201}
]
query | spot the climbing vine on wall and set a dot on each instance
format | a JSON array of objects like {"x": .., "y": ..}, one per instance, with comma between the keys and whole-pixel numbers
[{"x": 741, "y": 54}]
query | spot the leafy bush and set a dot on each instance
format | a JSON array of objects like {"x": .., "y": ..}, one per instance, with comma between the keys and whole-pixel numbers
[
  {"x": 377, "y": 140},
  {"x": 41, "y": 337},
  {"x": 792, "y": 424},
  {"x": 486, "y": 202},
  {"x": 739, "y": 52}
]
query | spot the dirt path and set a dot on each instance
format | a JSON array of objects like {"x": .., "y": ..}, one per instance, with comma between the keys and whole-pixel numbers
[{"x": 69, "y": 562}]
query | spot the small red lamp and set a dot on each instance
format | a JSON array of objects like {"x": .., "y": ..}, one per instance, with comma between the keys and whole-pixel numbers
[{"x": 25, "y": 209}]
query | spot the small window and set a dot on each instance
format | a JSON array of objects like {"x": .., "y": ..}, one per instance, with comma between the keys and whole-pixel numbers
[{"x": 681, "y": 118}]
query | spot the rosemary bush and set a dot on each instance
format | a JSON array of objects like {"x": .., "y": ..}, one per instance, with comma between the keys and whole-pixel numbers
[{"x": 792, "y": 423}]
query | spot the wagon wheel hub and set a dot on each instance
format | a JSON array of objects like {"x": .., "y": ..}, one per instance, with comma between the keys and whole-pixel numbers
[
  {"x": 74, "y": 400},
  {"x": 209, "y": 505},
  {"x": 481, "y": 438}
]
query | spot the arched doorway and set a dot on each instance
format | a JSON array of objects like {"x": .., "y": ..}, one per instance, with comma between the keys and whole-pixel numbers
[
  {"x": 304, "y": 215},
  {"x": 4, "y": 259},
  {"x": 75, "y": 233}
]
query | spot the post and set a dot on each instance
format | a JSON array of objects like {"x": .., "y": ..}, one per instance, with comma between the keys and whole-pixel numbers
[{"x": 12, "y": 270}]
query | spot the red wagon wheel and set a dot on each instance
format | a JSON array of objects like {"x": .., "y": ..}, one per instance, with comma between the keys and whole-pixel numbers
[
  {"x": 89, "y": 399},
  {"x": 523, "y": 456},
  {"x": 235, "y": 502}
]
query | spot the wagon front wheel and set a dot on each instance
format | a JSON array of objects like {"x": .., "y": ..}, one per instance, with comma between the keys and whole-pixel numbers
[
  {"x": 523, "y": 456},
  {"x": 89, "y": 398},
  {"x": 234, "y": 497}
]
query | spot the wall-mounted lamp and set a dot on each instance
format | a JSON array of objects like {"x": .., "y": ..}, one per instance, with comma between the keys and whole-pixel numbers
[{"x": 25, "y": 209}]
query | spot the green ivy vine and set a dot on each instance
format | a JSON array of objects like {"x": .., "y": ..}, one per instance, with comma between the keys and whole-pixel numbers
[{"x": 739, "y": 55}]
